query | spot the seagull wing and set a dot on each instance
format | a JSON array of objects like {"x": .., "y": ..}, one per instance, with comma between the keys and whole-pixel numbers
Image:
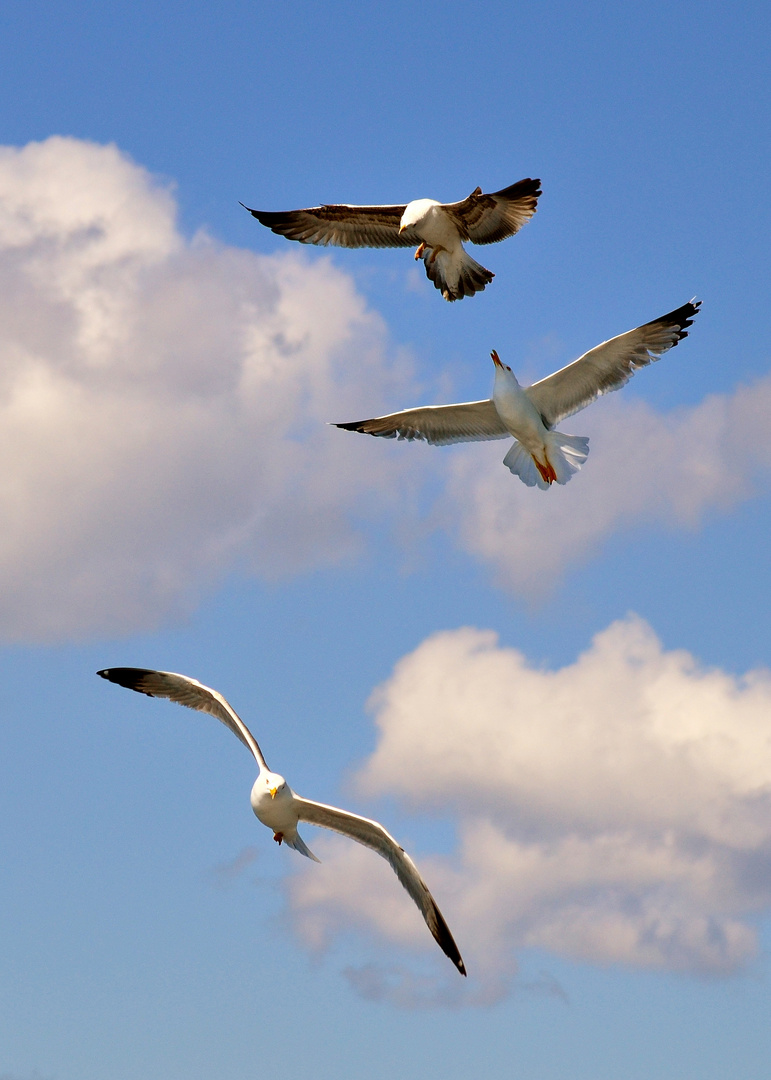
[
  {"x": 342, "y": 226},
  {"x": 473, "y": 421},
  {"x": 608, "y": 366},
  {"x": 185, "y": 691},
  {"x": 374, "y": 836},
  {"x": 485, "y": 219}
]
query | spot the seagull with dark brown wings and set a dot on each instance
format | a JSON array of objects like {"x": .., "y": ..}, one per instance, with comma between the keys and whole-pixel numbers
[{"x": 438, "y": 230}]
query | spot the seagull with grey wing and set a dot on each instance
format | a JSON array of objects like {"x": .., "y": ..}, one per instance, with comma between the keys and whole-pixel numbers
[
  {"x": 540, "y": 455},
  {"x": 438, "y": 230},
  {"x": 278, "y": 807}
]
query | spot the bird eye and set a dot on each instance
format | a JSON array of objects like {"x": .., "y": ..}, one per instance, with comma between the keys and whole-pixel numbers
[{"x": 508, "y": 368}]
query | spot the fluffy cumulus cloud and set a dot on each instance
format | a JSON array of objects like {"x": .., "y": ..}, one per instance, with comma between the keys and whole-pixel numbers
[
  {"x": 645, "y": 468},
  {"x": 163, "y": 402},
  {"x": 617, "y": 810}
]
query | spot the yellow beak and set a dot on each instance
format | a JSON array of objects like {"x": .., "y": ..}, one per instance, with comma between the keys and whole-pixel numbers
[{"x": 273, "y": 791}]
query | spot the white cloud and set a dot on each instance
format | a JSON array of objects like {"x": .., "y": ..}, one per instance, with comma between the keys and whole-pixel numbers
[
  {"x": 645, "y": 468},
  {"x": 617, "y": 810},
  {"x": 163, "y": 403}
]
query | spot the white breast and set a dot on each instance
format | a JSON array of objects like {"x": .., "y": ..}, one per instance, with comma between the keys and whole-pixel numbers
[
  {"x": 519, "y": 414},
  {"x": 278, "y": 814},
  {"x": 432, "y": 224}
]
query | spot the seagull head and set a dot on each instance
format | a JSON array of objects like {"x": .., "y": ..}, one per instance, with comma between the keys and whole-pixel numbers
[
  {"x": 415, "y": 212},
  {"x": 274, "y": 783},
  {"x": 502, "y": 371},
  {"x": 499, "y": 363}
]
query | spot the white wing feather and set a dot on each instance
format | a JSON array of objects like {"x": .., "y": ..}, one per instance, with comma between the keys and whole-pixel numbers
[
  {"x": 472, "y": 421},
  {"x": 608, "y": 366},
  {"x": 189, "y": 692},
  {"x": 372, "y": 835}
]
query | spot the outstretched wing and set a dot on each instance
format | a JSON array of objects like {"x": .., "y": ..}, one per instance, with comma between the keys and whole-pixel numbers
[
  {"x": 342, "y": 226},
  {"x": 185, "y": 691},
  {"x": 374, "y": 836},
  {"x": 473, "y": 421},
  {"x": 485, "y": 219},
  {"x": 608, "y": 366}
]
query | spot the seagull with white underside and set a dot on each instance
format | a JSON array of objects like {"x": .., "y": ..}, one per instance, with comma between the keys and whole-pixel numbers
[
  {"x": 278, "y": 807},
  {"x": 540, "y": 455},
  {"x": 438, "y": 229}
]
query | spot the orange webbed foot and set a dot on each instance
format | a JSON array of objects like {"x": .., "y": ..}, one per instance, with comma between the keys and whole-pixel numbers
[
  {"x": 420, "y": 251},
  {"x": 547, "y": 471}
]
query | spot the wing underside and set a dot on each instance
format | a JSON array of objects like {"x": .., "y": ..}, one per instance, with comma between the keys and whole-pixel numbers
[
  {"x": 372, "y": 835},
  {"x": 472, "y": 421},
  {"x": 341, "y": 226},
  {"x": 185, "y": 691},
  {"x": 609, "y": 366},
  {"x": 486, "y": 219}
]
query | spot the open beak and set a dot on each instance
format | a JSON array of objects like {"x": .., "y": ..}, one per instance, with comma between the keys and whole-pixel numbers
[
  {"x": 496, "y": 359},
  {"x": 273, "y": 791}
]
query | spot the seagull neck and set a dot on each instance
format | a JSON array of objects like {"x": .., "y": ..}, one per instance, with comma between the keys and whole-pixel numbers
[{"x": 505, "y": 382}]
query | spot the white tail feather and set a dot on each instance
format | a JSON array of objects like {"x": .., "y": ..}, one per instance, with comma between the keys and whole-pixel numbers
[
  {"x": 522, "y": 465},
  {"x": 566, "y": 454},
  {"x": 299, "y": 845}
]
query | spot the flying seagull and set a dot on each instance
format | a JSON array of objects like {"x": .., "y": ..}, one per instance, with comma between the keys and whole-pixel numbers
[
  {"x": 277, "y": 806},
  {"x": 438, "y": 229},
  {"x": 540, "y": 455}
]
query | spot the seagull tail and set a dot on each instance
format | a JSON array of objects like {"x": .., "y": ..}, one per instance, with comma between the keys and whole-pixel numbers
[
  {"x": 565, "y": 453},
  {"x": 455, "y": 277},
  {"x": 299, "y": 845}
]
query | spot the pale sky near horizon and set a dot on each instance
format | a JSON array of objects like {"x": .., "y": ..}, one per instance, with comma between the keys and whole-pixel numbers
[{"x": 559, "y": 702}]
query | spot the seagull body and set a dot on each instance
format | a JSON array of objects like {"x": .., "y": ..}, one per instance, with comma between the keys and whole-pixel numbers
[
  {"x": 540, "y": 455},
  {"x": 438, "y": 229},
  {"x": 279, "y": 808}
]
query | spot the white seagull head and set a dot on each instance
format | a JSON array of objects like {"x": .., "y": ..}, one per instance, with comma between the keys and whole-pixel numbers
[
  {"x": 415, "y": 212},
  {"x": 272, "y": 783},
  {"x": 503, "y": 373}
]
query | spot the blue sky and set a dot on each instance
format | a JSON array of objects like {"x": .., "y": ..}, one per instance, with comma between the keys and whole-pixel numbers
[{"x": 172, "y": 498}]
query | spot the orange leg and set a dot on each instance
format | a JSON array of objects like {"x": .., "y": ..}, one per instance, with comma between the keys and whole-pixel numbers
[
  {"x": 278, "y": 837},
  {"x": 420, "y": 250},
  {"x": 547, "y": 471}
]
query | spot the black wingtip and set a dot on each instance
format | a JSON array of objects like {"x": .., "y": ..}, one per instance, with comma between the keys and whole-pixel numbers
[
  {"x": 521, "y": 189},
  {"x": 272, "y": 219},
  {"x": 444, "y": 939},
  {"x": 130, "y": 677},
  {"x": 446, "y": 943},
  {"x": 681, "y": 317},
  {"x": 354, "y": 425}
]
